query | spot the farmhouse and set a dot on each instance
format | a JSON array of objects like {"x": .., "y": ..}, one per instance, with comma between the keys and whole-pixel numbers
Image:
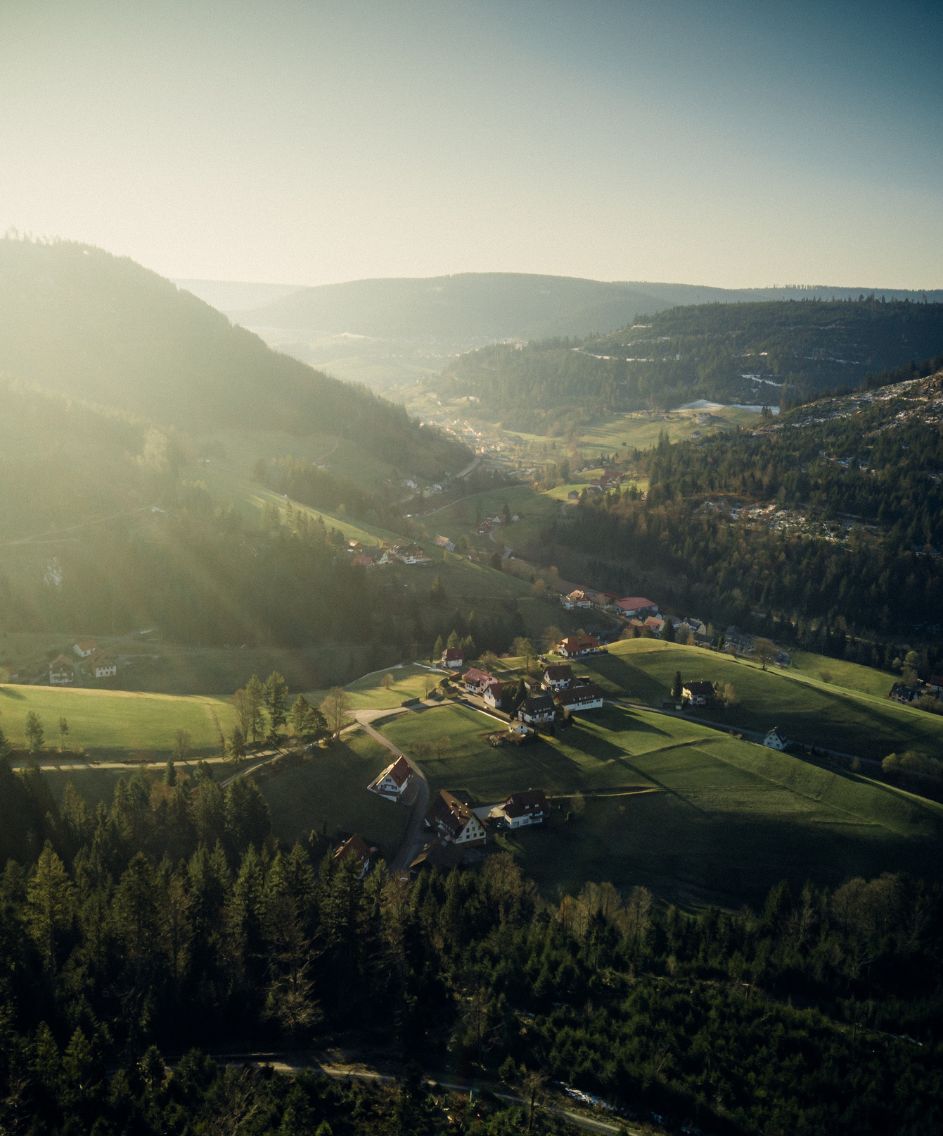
[
  {"x": 355, "y": 850},
  {"x": 493, "y": 695},
  {"x": 901, "y": 692},
  {"x": 410, "y": 554},
  {"x": 698, "y": 693},
  {"x": 476, "y": 681},
  {"x": 454, "y": 821},
  {"x": 444, "y": 542},
  {"x": 775, "y": 740},
  {"x": 102, "y": 666},
  {"x": 573, "y": 646},
  {"x": 521, "y": 810},
  {"x": 453, "y": 658},
  {"x": 586, "y": 696},
  {"x": 536, "y": 710},
  {"x": 557, "y": 676},
  {"x": 61, "y": 671},
  {"x": 392, "y": 782},
  {"x": 84, "y": 647},
  {"x": 636, "y": 606},
  {"x": 576, "y": 598}
]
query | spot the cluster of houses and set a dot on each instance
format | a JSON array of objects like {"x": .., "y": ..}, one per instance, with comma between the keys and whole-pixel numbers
[
  {"x": 639, "y": 613},
  {"x": 453, "y": 822},
  {"x": 84, "y": 663},
  {"x": 559, "y": 690},
  {"x": 403, "y": 552}
]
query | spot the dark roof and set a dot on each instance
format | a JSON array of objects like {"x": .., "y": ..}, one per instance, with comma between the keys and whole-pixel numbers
[
  {"x": 526, "y": 804},
  {"x": 354, "y": 847},
  {"x": 576, "y": 695},
  {"x": 558, "y": 671},
  {"x": 537, "y": 704},
  {"x": 449, "y": 812},
  {"x": 700, "y": 689}
]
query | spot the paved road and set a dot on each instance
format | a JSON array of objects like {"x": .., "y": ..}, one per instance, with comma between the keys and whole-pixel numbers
[{"x": 412, "y": 841}]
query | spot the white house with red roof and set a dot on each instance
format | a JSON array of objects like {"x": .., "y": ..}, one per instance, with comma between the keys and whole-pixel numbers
[
  {"x": 392, "y": 781},
  {"x": 453, "y": 658},
  {"x": 476, "y": 681},
  {"x": 636, "y": 606},
  {"x": 84, "y": 647},
  {"x": 573, "y": 646}
]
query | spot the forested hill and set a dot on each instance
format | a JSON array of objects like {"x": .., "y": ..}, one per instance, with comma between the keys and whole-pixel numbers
[
  {"x": 475, "y": 307},
  {"x": 825, "y": 522},
  {"x": 80, "y": 322},
  {"x": 757, "y": 353}
]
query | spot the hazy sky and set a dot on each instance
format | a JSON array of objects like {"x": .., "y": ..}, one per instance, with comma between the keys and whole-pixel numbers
[{"x": 310, "y": 141}]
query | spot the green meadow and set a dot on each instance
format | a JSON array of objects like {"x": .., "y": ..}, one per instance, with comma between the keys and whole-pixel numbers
[
  {"x": 721, "y": 820},
  {"x": 116, "y": 723},
  {"x": 806, "y": 709},
  {"x": 328, "y": 794}
]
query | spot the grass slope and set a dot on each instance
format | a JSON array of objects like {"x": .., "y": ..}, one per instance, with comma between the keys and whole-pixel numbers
[
  {"x": 723, "y": 820},
  {"x": 328, "y": 794},
  {"x": 115, "y": 723},
  {"x": 805, "y": 708}
]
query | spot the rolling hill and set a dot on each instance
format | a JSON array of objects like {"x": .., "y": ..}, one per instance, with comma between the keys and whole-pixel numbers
[{"x": 777, "y": 353}]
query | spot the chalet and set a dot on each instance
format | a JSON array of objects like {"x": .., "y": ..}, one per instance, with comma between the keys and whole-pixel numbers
[
  {"x": 586, "y": 696},
  {"x": 652, "y": 625},
  {"x": 453, "y": 658},
  {"x": 102, "y": 666},
  {"x": 493, "y": 694},
  {"x": 698, "y": 693},
  {"x": 775, "y": 740},
  {"x": 476, "y": 681},
  {"x": 557, "y": 676},
  {"x": 355, "y": 851},
  {"x": 573, "y": 646},
  {"x": 536, "y": 710},
  {"x": 902, "y": 692},
  {"x": 61, "y": 671},
  {"x": 576, "y": 598},
  {"x": 392, "y": 782},
  {"x": 454, "y": 821},
  {"x": 445, "y": 543},
  {"x": 84, "y": 647},
  {"x": 521, "y": 810},
  {"x": 410, "y": 554},
  {"x": 631, "y": 606}
]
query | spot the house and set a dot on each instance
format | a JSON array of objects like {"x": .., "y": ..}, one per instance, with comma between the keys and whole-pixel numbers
[
  {"x": 493, "y": 694},
  {"x": 901, "y": 692},
  {"x": 557, "y": 676},
  {"x": 84, "y": 647},
  {"x": 411, "y": 554},
  {"x": 774, "y": 739},
  {"x": 454, "y": 821},
  {"x": 61, "y": 671},
  {"x": 355, "y": 850},
  {"x": 585, "y": 696},
  {"x": 476, "y": 681},
  {"x": 698, "y": 693},
  {"x": 102, "y": 666},
  {"x": 573, "y": 646},
  {"x": 536, "y": 710},
  {"x": 521, "y": 810},
  {"x": 738, "y": 642},
  {"x": 393, "y": 780},
  {"x": 444, "y": 542},
  {"x": 453, "y": 658},
  {"x": 636, "y": 606},
  {"x": 576, "y": 598}
]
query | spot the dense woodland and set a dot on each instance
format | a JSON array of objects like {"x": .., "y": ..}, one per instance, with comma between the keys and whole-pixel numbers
[
  {"x": 860, "y": 556},
  {"x": 169, "y": 918},
  {"x": 757, "y": 353}
]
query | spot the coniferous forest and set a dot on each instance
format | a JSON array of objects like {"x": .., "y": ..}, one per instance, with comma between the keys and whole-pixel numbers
[{"x": 169, "y": 919}]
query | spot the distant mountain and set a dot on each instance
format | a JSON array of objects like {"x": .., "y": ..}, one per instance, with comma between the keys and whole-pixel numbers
[
  {"x": 85, "y": 324},
  {"x": 232, "y": 296},
  {"x": 775, "y": 353},
  {"x": 492, "y": 306}
]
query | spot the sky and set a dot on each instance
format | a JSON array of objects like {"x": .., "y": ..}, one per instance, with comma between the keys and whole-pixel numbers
[{"x": 738, "y": 144}]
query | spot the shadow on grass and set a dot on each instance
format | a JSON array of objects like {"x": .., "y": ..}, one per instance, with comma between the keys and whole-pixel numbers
[
  {"x": 11, "y": 692},
  {"x": 630, "y": 679}
]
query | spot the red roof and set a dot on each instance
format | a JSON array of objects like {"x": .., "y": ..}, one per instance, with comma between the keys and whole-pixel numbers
[
  {"x": 635, "y": 603},
  {"x": 400, "y": 771},
  {"x": 454, "y": 654},
  {"x": 354, "y": 847}
]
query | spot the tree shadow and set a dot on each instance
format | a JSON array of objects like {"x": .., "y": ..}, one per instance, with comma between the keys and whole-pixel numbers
[{"x": 11, "y": 692}]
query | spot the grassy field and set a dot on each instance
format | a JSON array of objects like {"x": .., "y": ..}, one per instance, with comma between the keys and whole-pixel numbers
[
  {"x": 115, "y": 722},
  {"x": 723, "y": 820},
  {"x": 805, "y": 708},
  {"x": 328, "y": 794}
]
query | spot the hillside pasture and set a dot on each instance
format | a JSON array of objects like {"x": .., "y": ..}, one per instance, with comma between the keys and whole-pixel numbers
[
  {"x": 328, "y": 793},
  {"x": 115, "y": 723},
  {"x": 806, "y": 710},
  {"x": 722, "y": 819}
]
